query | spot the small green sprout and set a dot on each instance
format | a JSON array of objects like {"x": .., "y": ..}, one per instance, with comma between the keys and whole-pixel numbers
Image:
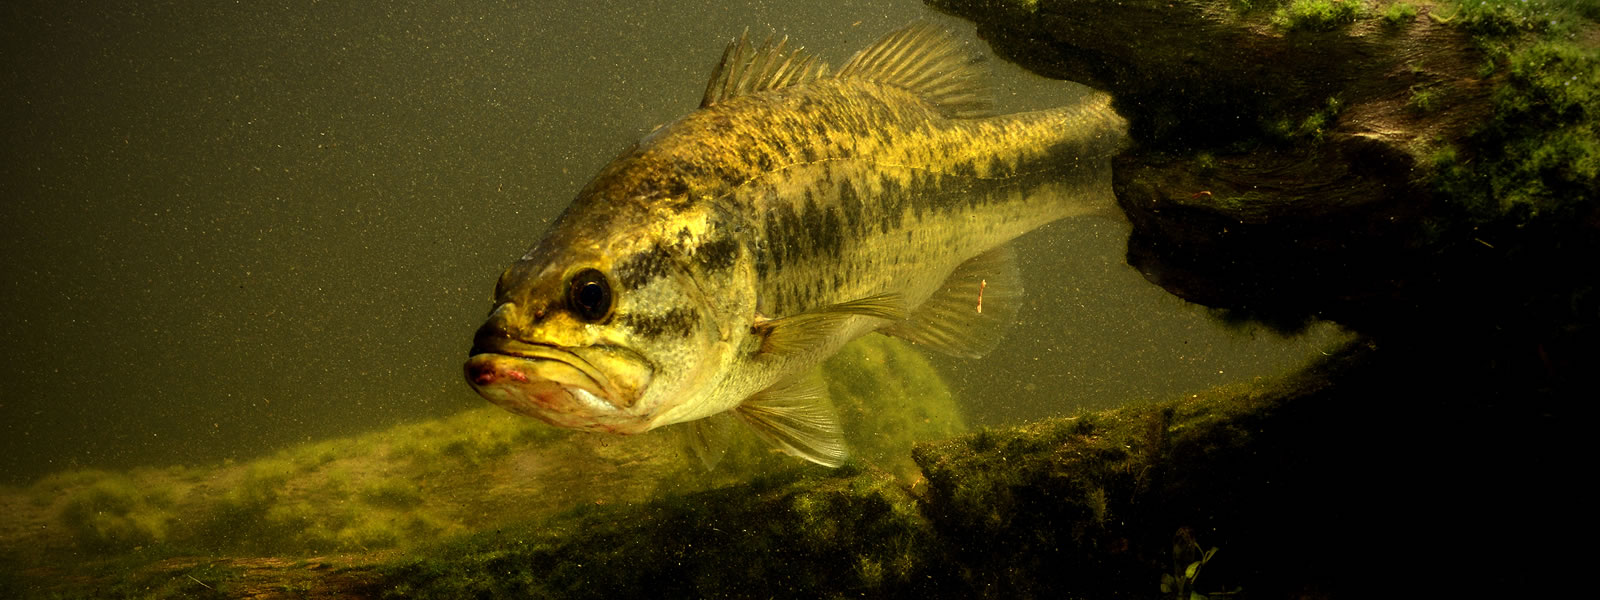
[{"x": 1180, "y": 585}]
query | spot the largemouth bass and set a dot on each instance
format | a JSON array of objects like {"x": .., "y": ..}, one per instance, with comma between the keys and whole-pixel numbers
[{"x": 707, "y": 269}]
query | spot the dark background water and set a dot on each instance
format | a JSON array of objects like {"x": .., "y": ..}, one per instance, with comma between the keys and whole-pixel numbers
[{"x": 228, "y": 227}]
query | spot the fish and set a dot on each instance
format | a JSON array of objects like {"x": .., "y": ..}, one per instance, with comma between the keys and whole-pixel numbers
[{"x": 704, "y": 273}]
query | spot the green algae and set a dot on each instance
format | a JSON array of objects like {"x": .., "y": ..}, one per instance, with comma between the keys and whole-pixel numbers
[
  {"x": 1290, "y": 482},
  {"x": 414, "y": 484},
  {"x": 1319, "y": 15},
  {"x": 114, "y": 513},
  {"x": 798, "y": 534},
  {"x": 1425, "y": 99},
  {"x": 889, "y": 397},
  {"x": 1537, "y": 155},
  {"x": 1084, "y": 506},
  {"x": 1399, "y": 14},
  {"x": 1306, "y": 129}
]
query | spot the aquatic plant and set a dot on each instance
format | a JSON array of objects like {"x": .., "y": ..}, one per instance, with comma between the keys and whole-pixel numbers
[{"x": 1189, "y": 559}]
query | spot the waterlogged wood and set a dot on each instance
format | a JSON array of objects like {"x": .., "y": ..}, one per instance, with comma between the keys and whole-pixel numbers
[
  {"x": 313, "y": 520},
  {"x": 1282, "y": 490},
  {"x": 1284, "y": 166}
]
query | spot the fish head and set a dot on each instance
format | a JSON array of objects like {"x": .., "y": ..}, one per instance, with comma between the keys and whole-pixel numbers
[{"x": 606, "y": 335}]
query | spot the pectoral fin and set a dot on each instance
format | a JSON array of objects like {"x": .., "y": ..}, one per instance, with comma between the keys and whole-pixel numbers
[
  {"x": 808, "y": 329},
  {"x": 795, "y": 416},
  {"x": 971, "y": 311}
]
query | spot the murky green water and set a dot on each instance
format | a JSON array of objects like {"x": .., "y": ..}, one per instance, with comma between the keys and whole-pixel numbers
[{"x": 231, "y": 228}]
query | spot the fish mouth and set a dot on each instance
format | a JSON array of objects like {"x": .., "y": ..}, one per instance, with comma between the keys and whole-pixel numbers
[{"x": 549, "y": 383}]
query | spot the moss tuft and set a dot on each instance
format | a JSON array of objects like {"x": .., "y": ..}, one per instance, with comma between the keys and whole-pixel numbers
[
  {"x": 1399, "y": 14},
  {"x": 1538, "y": 154},
  {"x": 1504, "y": 17},
  {"x": 115, "y": 514},
  {"x": 1424, "y": 99},
  {"x": 1319, "y": 15},
  {"x": 1307, "y": 129}
]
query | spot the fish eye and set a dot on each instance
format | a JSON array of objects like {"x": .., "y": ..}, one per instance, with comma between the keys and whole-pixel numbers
[{"x": 589, "y": 295}]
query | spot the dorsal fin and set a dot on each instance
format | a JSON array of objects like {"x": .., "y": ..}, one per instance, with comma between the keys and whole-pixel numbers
[
  {"x": 930, "y": 62},
  {"x": 747, "y": 70}
]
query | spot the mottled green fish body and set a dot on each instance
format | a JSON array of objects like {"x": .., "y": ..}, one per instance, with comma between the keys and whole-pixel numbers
[{"x": 708, "y": 268}]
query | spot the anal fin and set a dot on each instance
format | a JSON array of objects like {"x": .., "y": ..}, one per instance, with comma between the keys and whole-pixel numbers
[
  {"x": 968, "y": 315},
  {"x": 795, "y": 416}
]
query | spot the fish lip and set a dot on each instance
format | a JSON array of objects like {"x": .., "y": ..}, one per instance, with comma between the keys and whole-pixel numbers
[{"x": 537, "y": 351}]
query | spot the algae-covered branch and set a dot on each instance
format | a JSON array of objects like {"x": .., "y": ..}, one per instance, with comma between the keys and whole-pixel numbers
[{"x": 1385, "y": 164}]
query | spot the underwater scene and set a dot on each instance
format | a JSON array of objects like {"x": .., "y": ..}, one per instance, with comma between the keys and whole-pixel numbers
[{"x": 858, "y": 299}]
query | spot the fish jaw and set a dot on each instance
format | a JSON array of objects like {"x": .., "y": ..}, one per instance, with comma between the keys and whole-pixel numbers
[{"x": 555, "y": 387}]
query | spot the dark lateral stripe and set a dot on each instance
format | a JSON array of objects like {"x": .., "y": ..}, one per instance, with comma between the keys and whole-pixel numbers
[
  {"x": 678, "y": 322},
  {"x": 640, "y": 269},
  {"x": 818, "y": 229},
  {"x": 635, "y": 271},
  {"x": 717, "y": 254}
]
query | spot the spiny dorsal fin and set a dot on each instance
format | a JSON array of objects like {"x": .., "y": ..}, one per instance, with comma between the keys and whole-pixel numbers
[
  {"x": 747, "y": 70},
  {"x": 808, "y": 329},
  {"x": 930, "y": 62},
  {"x": 795, "y": 416},
  {"x": 970, "y": 312}
]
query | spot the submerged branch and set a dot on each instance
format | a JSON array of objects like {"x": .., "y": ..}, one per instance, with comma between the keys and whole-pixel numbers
[{"x": 1387, "y": 165}]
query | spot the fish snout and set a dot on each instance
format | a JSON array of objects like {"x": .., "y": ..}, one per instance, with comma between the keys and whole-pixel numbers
[{"x": 548, "y": 390}]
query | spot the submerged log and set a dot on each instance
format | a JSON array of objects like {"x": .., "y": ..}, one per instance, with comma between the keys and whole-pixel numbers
[
  {"x": 1320, "y": 486},
  {"x": 1390, "y": 166}
]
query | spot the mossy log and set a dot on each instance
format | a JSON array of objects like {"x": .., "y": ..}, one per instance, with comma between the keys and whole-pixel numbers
[
  {"x": 1321, "y": 486},
  {"x": 1391, "y": 166},
  {"x": 357, "y": 500}
]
